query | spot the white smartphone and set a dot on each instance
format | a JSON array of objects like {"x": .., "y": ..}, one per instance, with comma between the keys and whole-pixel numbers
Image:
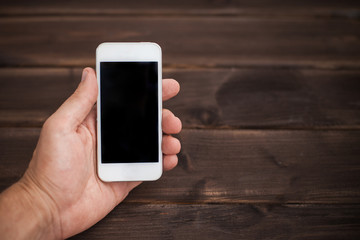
[{"x": 129, "y": 110}]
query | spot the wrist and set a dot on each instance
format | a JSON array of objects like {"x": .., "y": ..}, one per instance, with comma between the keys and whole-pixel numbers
[{"x": 28, "y": 212}]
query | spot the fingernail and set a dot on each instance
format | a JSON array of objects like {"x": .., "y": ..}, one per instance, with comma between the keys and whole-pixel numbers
[{"x": 84, "y": 74}]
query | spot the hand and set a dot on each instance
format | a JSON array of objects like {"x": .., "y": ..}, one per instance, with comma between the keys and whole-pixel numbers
[{"x": 62, "y": 172}]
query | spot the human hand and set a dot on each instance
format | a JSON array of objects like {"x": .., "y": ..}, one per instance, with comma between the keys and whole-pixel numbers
[{"x": 62, "y": 172}]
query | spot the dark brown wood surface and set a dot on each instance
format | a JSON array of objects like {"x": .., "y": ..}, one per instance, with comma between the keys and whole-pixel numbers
[
  {"x": 221, "y": 98},
  {"x": 242, "y": 166},
  {"x": 210, "y": 41},
  {"x": 270, "y": 103},
  {"x": 273, "y": 8},
  {"x": 174, "y": 221}
]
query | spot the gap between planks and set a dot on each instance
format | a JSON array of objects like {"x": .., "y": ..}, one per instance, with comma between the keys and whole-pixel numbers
[
  {"x": 304, "y": 15},
  {"x": 185, "y": 67}
]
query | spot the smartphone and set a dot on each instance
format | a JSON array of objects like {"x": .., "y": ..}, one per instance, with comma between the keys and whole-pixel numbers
[{"x": 129, "y": 108}]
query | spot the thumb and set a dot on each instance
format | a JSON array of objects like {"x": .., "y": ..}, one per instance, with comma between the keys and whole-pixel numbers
[{"x": 75, "y": 109}]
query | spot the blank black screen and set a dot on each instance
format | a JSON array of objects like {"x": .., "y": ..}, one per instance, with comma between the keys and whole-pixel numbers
[{"x": 129, "y": 112}]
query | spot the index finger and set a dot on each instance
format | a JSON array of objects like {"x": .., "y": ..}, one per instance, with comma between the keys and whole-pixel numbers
[{"x": 170, "y": 88}]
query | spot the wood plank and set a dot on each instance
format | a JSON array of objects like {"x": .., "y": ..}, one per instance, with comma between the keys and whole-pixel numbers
[
  {"x": 29, "y": 96},
  {"x": 262, "y": 166},
  {"x": 186, "y": 42},
  {"x": 267, "y": 98},
  {"x": 16, "y": 149},
  {"x": 346, "y": 8},
  {"x": 133, "y": 221},
  {"x": 222, "y": 166},
  {"x": 220, "y": 98}
]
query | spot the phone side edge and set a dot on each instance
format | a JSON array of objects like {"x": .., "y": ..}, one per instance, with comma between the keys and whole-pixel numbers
[{"x": 98, "y": 114}]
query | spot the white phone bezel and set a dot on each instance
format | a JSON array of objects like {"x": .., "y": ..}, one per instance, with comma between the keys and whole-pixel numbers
[{"x": 137, "y": 52}]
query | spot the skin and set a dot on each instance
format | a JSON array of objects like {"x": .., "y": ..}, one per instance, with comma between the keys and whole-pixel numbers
[{"x": 60, "y": 193}]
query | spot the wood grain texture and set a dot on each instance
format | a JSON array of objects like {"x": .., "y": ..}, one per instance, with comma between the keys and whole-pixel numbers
[
  {"x": 152, "y": 221},
  {"x": 331, "y": 8},
  {"x": 267, "y": 98},
  {"x": 187, "y": 42},
  {"x": 220, "y": 166},
  {"x": 220, "y": 98},
  {"x": 288, "y": 71},
  {"x": 16, "y": 149},
  {"x": 29, "y": 96}
]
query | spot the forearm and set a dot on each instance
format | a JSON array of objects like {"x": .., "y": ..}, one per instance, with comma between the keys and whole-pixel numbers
[{"x": 25, "y": 213}]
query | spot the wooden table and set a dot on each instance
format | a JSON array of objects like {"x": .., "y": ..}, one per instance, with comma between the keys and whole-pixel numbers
[{"x": 270, "y": 104}]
